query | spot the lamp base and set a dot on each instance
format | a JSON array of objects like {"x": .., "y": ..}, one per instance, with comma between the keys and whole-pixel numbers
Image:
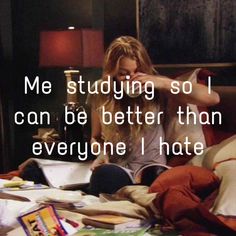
[
  {"x": 71, "y": 75},
  {"x": 71, "y": 132}
]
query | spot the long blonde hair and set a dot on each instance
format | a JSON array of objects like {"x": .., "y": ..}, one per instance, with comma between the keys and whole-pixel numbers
[{"x": 127, "y": 46}]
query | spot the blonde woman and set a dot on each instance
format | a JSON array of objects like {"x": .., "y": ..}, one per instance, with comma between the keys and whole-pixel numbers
[{"x": 126, "y": 58}]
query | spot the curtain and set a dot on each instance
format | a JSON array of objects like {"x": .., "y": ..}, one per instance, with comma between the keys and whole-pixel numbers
[{"x": 2, "y": 139}]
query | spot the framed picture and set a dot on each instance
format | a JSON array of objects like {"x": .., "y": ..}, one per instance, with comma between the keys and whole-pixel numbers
[{"x": 188, "y": 31}]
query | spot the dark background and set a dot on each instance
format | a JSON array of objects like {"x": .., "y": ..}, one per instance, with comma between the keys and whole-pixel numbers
[
  {"x": 20, "y": 24},
  {"x": 191, "y": 31}
]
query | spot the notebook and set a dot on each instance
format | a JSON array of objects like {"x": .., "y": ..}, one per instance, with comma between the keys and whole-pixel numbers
[{"x": 61, "y": 174}]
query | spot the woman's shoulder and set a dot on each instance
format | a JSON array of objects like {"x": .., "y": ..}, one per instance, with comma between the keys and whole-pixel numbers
[{"x": 95, "y": 97}]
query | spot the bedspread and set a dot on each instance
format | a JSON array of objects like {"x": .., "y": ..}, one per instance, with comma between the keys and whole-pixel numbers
[{"x": 183, "y": 205}]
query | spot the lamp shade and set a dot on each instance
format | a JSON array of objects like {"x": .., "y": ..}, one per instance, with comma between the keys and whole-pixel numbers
[{"x": 71, "y": 48}]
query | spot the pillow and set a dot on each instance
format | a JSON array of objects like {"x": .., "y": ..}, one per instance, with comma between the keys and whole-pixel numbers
[
  {"x": 222, "y": 159},
  {"x": 208, "y": 130},
  {"x": 196, "y": 133},
  {"x": 224, "y": 204},
  {"x": 214, "y": 155},
  {"x": 220, "y": 152},
  {"x": 198, "y": 159},
  {"x": 200, "y": 180}
]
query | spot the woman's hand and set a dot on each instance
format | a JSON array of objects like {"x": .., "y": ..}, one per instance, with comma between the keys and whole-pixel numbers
[
  {"x": 100, "y": 160},
  {"x": 143, "y": 78}
]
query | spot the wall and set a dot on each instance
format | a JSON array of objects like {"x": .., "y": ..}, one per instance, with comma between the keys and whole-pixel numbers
[
  {"x": 6, "y": 91},
  {"x": 119, "y": 19}
]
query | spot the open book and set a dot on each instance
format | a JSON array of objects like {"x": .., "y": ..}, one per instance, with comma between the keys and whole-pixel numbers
[
  {"x": 61, "y": 174},
  {"x": 146, "y": 174}
]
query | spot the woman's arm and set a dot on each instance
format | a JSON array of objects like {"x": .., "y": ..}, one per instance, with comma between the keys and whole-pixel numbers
[
  {"x": 96, "y": 127},
  {"x": 198, "y": 96}
]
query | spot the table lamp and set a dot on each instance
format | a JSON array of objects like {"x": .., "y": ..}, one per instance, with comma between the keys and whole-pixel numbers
[{"x": 71, "y": 49}]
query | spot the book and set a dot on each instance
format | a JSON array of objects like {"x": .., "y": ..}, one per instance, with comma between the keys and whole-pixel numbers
[
  {"x": 62, "y": 174},
  {"x": 107, "y": 232},
  {"x": 42, "y": 221},
  {"x": 113, "y": 222},
  {"x": 15, "y": 185},
  {"x": 146, "y": 174}
]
